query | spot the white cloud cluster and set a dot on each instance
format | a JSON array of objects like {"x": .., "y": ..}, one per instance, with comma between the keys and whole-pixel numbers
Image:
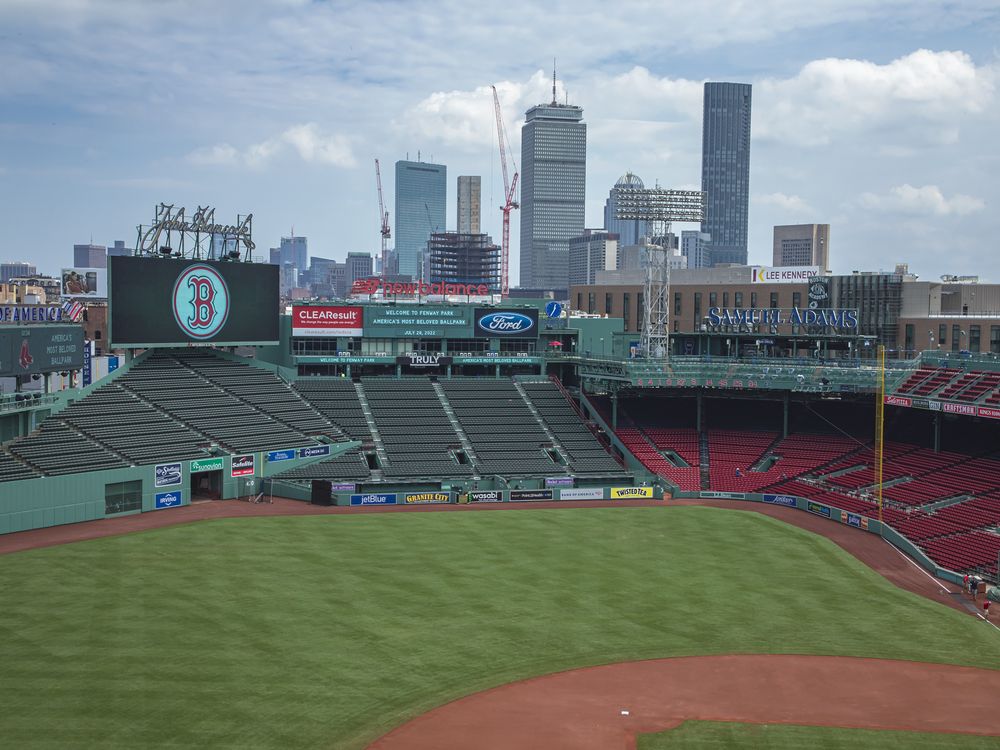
[
  {"x": 307, "y": 140},
  {"x": 927, "y": 200},
  {"x": 788, "y": 203}
]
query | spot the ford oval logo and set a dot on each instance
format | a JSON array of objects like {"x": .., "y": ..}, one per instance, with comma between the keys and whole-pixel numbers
[{"x": 505, "y": 323}]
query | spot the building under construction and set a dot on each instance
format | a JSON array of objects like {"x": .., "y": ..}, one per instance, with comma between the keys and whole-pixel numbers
[{"x": 464, "y": 259}]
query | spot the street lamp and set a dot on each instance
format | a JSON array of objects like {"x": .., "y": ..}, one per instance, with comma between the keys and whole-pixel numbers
[{"x": 602, "y": 347}]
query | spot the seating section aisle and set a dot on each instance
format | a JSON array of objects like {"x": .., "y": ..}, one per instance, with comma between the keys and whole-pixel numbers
[
  {"x": 419, "y": 439},
  {"x": 732, "y": 450},
  {"x": 504, "y": 434},
  {"x": 337, "y": 400},
  {"x": 347, "y": 467},
  {"x": 57, "y": 448},
  {"x": 586, "y": 454}
]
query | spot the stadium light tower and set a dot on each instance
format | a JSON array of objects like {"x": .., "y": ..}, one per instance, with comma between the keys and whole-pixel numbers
[{"x": 658, "y": 207}]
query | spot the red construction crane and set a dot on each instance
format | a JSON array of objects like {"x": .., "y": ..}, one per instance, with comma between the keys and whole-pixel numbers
[
  {"x": 510, "y": 193},
  {"x": 383, "y": 216}
]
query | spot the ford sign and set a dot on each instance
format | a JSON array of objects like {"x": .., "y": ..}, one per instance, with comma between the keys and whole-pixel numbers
[{"x": 491, "y": 323}]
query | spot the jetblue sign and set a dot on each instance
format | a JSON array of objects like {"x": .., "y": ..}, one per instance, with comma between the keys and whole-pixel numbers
[
  {"x": 374, "y": 499},
  {"x": 492, "y": 323},
  {"x": 752, "y": 317}
]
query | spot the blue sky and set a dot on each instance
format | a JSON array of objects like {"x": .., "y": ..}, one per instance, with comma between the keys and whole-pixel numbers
[{"x": 880, "y": 118}]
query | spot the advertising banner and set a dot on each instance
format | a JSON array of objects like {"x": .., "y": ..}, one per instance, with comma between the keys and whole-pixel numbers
[
  {"x": 167, "y": 475},
  {"x": 199, "y": 465},
  {"x": 967, "y": 409},
  {"x": 819, "y": 510},
  {"x": 926, "y": 403},
  {"x": 167, "y": 499},
  {"x": 314, "y": 450},
  {"x": 422, "y": 361},
  {"x": 285, "y": 455},
  {"x": 39, "y": 349},
  {"x": 851, "y": 519},
  {"x": 787, "y": 500},
  {"x": 490, "y": 322},
  {"x": 421, "y": 498},
  {"x": 988, "y": 412},
  {"x": 374, "y": 499},
  {"x": 430, "y": 321},
  {"x": 898, "y": 401},
  {"x": 31, "y": 314},
  {"x": 618, "y": 493},
  {"x": 723, "y": 495},
  {"x": 518, "y": 495},
  {"x": 88, "y": 363},
  {"x": 559, "y": 481},
  {"x": 243, "y": 466},
  {"x": 486, "y": 496},
  {"x": 84, "y": 283},
  {"x": 112, "y": 363},
  {"x": 179, "y": 302},
  {"x": 343, "y": 487},
  {"x": 327, "y": 320},
  {"x": 582, "y": 493},
  {"x": 783, "y": 274}
]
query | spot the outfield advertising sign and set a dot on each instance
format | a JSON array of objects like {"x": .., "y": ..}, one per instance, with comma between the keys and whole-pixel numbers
[
  {"x": 519, "y": 495},
  {"x": 486, "y": 496},
  {"x": 422, "y": 498},
  {"x": 787, "y": 500},
  {"x": 29, "y": 350},
  {"x": 559, "y": 481},
  {"x": 582, "y": 493},
  {"x": 494, "y": 323},
  {"x": 374, "y": 499},
  {"x": 285, "y": 455},
  {"x": 851, "y": 519},
  {"x": 621, "y": 493},
  {"x": 199, "y": 465},
  {"x": 819, "y": 510},
  {"x": 167, "y": 499},
  {"x": 723, "y": 495},
  {"x": 243, "y": 466},
  {"x": 167, "y": 475},
  {"x": 327, "y": 320},
  {"x": 343, "y": 487},
  {"x": 313, "y": 451}
]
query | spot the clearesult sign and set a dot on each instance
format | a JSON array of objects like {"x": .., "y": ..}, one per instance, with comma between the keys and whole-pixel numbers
[
  {"x": 420, "y": 498},
  {"x": 243, "y": 466},
  {"x": 327, "y": 320},
  {"x": 199, "y": 465},
  {"x": 167, "y": 475},
  {"x": 621, "y": 493}
]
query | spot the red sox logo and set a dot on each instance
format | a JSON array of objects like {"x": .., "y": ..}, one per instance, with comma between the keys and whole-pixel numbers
[{"x": 201, "y": 301}]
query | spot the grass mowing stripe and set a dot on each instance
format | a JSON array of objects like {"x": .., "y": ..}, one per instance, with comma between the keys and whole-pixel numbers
[
  {"x": 707, "y": 735},
  {"x": 327, "y": 631}
]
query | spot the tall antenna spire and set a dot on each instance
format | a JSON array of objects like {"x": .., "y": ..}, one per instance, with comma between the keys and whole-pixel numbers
[{"x": 554, "y": 81}]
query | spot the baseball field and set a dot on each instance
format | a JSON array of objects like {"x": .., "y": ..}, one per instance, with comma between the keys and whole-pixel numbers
[{"x": 329, "y": 631}]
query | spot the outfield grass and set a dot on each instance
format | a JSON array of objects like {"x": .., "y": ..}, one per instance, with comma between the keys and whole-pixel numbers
[
  {"x": 707, "y": 735},
  {"x": 326, "y": 631}
]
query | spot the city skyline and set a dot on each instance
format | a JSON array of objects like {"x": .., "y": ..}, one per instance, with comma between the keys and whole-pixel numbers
[{"x": 877, "y": 118}]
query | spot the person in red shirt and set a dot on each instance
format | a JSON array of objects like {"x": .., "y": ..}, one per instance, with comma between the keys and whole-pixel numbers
[
  {"x": 986, "y": 609},
  {"x": 965, "y": 583}
]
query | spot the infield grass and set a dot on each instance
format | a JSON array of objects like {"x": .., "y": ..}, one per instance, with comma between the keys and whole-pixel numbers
[
  {"x": 708, "y": 735},
  {"x": 326, "y": 631}
]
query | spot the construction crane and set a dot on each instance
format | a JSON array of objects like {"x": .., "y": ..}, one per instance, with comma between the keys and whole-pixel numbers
[
  {"x": 510, "y": 193},
  {"x": 383, "y": 216}
]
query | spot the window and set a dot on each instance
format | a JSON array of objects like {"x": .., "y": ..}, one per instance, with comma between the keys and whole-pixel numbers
[
  {"x": 713, "y": 299},
  {"x": 122, "y": 497},
  {"x": 753, "y": 300},
  {"x": 956, "y": 334},
  {"x": 591, "y": 303},
  {"x": 738, "y": 300},
  {"x": 974, "y": 338},
  {"x": 697, "y": 305},
  {"x": 942, "y": 333},
  {"x": 627, "y": 309},
  {"x": 677, "y": 303},
  {"x": 725, "y": 299},
  {"x": 579, "y": 300},
  {"x": 607, "y": 303},
  {"x": 908, "y": 346},
  {"x": 774, "y": 300},
  {"x": 796, "y": 299},
  {"x": 995, "y": 339},
  {"x": 640, "y": 312}
]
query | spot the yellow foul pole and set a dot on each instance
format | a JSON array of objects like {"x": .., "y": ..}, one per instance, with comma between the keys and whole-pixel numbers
[{"x": 880, "y": 428}]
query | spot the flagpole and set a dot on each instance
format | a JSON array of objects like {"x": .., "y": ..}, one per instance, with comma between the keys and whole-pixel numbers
[{"x": 880, "y": 429}]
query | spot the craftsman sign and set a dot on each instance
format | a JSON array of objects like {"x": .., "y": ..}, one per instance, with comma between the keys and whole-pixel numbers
[
  {"x": 327, "y": 320},
  {"x": 752, "y": 317}
]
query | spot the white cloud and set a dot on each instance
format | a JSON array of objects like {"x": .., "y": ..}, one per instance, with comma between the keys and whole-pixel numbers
[
  {"x": 788, "y": 203},
  {"x": 308, "y": 141},
  {"x": 922, "y": 201}
]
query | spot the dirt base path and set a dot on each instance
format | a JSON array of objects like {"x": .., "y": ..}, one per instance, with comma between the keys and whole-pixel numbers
[{"x": 582, "y": 709}]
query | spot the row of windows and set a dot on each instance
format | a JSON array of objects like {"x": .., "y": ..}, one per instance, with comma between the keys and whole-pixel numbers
[{"x": 960, "y": 340}]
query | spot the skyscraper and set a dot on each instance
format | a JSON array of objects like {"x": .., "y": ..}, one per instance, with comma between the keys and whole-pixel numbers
[
  {"x": 16, "y": 269},
  {"x": 553, "y": 191},
  {"x": 359, "y": 266},
  {"x": 802, "y": 245},
  {"x": 421, "y": 206},
  {"x": 90, "y": 256},
  {"x": 629, "y": 230},
  {"x": 469, "y": 204},
  {"x": 725, "y": 169}
]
